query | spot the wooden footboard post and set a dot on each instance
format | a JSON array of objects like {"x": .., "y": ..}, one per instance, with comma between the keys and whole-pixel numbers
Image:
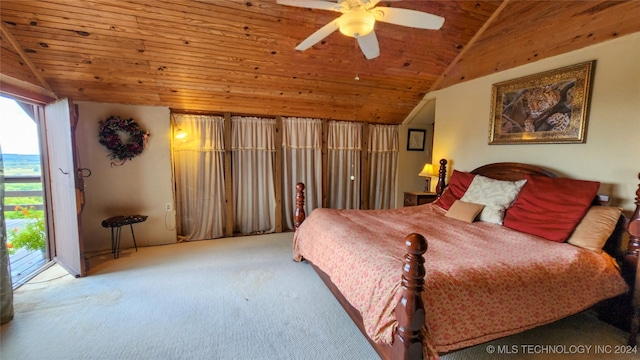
[
  {"x": 442, "y": 177},
  {"x": 407, "y": 340},
  {"x": 633, "y": 252},
  {"x": 299, "y": 215}
]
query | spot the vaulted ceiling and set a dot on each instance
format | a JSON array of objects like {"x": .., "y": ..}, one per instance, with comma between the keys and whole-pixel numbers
[{"x": 239, "y": 55}]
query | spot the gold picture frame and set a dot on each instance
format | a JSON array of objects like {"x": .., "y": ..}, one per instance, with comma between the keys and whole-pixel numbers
[{"x": 547, "y": 108}]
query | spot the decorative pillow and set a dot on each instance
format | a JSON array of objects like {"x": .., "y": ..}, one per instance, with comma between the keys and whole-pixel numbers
[
  {"x": 458, "y": 185},
  {"x": 551, "y": 207},
  {"x": 496, "y": 195},
  {"x": 595, "y": 227},
  {"x": 464, "y": 211}
]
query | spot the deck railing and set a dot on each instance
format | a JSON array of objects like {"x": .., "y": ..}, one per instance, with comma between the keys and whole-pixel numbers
[
  {"x": 22, "y": 193},
  {"x": 24, "y": 263}
]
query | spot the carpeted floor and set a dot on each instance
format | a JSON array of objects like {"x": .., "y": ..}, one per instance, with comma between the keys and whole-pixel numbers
[{"x": 239, "y": 298}]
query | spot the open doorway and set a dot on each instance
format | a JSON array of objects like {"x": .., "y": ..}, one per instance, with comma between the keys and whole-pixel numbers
[{"x": 24, "y": 203}]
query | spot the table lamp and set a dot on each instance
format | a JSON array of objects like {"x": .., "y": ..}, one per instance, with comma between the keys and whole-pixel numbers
[{"x": 427, "y": 173}]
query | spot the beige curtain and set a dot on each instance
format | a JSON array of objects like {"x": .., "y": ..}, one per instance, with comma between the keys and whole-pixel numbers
[
  {"x": 6, "y": 288},
  {"x": 383, "y": 152},
  {"x": 199, "y": 176},
  {"x": 253, "y": 167},
  {"x": 344, "y": 143},
  {"x": 302, "y": 162}
]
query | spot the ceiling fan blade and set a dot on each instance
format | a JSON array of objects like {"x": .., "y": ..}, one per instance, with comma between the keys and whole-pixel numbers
[
  {"x": 369, "y": 45},
  {"x": 318, "y": 35},
  {"x": 410, "y": 18},
  {"x": 312, "y": 4}
]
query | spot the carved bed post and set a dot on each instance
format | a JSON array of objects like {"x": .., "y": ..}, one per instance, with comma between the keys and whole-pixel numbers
[
  {"x": 407, "y": 340},
  {"x": 442, "y": 177},
  {"x": 633, "y": 251},
  {"x": 299, "y": 215},
  {"x": 634, "y": 227}
]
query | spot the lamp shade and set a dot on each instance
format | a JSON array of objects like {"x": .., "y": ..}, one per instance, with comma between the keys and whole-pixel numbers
[{"x": 427, "y": 170}]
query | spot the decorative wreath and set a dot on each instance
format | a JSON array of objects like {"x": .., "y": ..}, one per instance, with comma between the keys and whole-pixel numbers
[{"x": 122, "y": 137}]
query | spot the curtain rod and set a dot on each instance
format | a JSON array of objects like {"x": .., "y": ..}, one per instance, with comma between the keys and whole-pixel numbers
[{"x": 203, "y": 112}]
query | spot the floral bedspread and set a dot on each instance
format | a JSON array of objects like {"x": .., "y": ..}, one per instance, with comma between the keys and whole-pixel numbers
[{"x": 483, "y": 281}]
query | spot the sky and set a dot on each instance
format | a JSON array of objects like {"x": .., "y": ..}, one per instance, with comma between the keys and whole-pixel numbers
[{"x": 18, "y": 133}]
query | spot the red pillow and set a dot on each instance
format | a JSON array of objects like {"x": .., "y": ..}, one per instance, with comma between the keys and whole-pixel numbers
[
  {"x": 551, "y": 207},
  {"x": 458, "y": 185}
]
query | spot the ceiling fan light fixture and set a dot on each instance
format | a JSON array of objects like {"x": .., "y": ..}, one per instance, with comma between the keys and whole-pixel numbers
[
  {"x": 358, "y": 20},
  {"x": 357, "y": 23}
]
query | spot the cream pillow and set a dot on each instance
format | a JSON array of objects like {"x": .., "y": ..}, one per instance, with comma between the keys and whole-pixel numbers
[
  {"x": 595, "y": 227},
  {"x": 496, "y": 195},
  {"x": 464, "y": 211}
]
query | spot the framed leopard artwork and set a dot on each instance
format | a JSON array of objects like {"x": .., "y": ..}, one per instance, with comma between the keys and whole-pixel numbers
[{"x": 550, "y": 107}]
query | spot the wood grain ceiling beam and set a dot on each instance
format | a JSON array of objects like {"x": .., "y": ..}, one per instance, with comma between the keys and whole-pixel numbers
[
  {"x": 9, "y": 37},
  {"x": 25, "y": 91},
  {"x": 455, "y": 61},
  {"x": 464, "y": 50}
]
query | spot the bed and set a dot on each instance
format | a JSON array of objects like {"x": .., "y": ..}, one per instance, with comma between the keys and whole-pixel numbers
[{"x": 478, "y": 280}]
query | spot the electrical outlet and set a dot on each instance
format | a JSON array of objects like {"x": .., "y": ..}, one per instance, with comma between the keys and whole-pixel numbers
[{"x": 168, "y": 206}]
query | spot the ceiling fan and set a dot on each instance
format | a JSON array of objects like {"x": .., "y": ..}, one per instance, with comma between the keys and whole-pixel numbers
[{"x": 358, "y": 19}]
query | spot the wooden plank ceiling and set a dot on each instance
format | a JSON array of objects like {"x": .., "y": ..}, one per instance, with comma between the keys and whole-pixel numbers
[{"x": 238, "y": 55}]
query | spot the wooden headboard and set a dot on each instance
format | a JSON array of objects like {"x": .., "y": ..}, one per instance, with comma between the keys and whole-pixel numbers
[
  {"x": 511, "y": 171},
  {"x": 500, "y": 171}
]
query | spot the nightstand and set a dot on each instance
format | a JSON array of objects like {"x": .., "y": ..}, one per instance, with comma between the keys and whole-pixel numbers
[{"x": 413, "y": 198}]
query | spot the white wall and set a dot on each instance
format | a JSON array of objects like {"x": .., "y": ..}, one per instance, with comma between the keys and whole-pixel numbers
[
  {"x": 411, "y": 162},
  {"x": 611, "y": 153},
  {"x": 142, "y": 185}
]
